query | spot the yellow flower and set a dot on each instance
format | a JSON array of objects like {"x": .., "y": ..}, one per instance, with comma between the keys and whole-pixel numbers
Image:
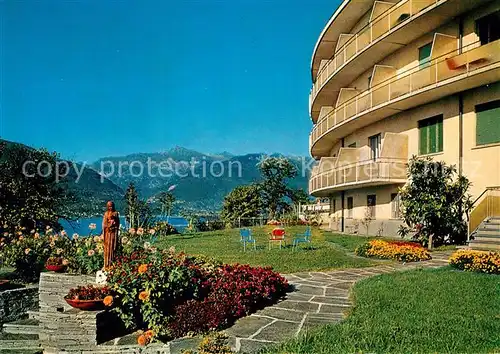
[
  {"x": 144, "y": 296},
  {"x": 108, "y": 300},
  {"x": 143, "y": 268}
]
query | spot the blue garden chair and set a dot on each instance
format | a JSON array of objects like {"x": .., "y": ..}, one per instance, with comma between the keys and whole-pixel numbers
[
  {"x": 246, "y": 237},
  {"x": 302, "y": 238}
]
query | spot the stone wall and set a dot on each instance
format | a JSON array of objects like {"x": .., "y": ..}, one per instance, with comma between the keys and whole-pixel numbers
[
  {"x": 15, "y": 303},
  {"x": 65, "y": 328}
]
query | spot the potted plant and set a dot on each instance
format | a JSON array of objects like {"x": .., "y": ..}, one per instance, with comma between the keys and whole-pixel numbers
[
  {"x": 56, "y": 264},
  {"x": 87, "y": 298}
]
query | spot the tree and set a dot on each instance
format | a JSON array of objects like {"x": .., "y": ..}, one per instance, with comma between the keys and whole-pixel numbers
[
  {"x": 242, "y": 201},
  {"x": 275, "y": 173},
  {"x": 166, "y": 200},
  {"x": 137, "y": 212},
  {"x": 32, "y": 190},
  {"x": 433, "y": 202}
]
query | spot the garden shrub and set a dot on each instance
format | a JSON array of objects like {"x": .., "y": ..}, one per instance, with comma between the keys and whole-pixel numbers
[
  {"x": 213, "y": 343},
  {"x": 476, "y": 261},
  {"x": 398, "y": 250}
]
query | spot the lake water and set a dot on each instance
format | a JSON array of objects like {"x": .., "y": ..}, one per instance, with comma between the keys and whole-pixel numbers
[{"x": 81, "y": 227}]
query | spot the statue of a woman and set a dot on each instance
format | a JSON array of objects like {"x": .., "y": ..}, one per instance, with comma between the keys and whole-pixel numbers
[{"x": 110, "y": 226}]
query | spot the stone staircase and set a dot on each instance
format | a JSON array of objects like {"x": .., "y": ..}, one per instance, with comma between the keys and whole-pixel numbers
[
  {"x": 487, "y": 235},
  {"x": 20, "y": 337}
]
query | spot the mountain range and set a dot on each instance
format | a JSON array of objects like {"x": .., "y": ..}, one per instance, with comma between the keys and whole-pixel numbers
[{"x": 199, "y": 181}]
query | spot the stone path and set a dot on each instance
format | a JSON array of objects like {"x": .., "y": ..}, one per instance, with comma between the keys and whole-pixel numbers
[{"x": 320, "y": 298}]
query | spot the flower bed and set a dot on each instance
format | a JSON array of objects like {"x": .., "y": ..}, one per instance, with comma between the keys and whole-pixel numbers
[
  {"x": 476, "y": 261},
  {"x": 171, "y": 295},
  {"x": 398, "y": 250},
  {"x": 30, "y": 251}
]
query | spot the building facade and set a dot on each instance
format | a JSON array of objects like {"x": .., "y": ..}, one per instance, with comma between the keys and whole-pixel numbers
[{"x": 393, "y": 79}]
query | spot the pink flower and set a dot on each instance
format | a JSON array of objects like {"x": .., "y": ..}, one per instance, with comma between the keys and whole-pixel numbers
[
  {"x": 92, "y": 226},
  {"x": 131, "y": 231},
  {"x": 65, "y": 262},
  {"x": 90, "y": 253},
  {"x": 59, "y": 251},
  {"x": 140, "y": 231},
  {"x": 37, "y": 236},
  {"x": 63, "y": 233},
  {"x": 152, "y": 231}
]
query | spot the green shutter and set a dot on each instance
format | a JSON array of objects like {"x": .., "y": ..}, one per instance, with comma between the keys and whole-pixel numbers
[
  {"x": 423, "y": 139},
  {"x": 431, "y": 135},
  {"x": 488, "y": 123},
  {"x": 440, "y": 134},
  {"x": 424, "y": 55}
]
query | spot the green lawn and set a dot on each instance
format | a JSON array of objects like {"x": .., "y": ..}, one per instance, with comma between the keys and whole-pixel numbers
[
  {"x": 421, "y": 311},
  {"x": 225, "y": 246}
]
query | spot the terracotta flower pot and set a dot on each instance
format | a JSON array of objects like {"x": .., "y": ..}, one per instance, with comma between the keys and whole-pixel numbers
[
  {"x": 86, "y": 305},
  {"x": 55, "y": 268}
]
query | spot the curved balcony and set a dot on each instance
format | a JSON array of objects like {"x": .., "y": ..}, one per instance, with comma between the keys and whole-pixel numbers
[
  {"x": 390, "y": 30},
  {"x": 353, "y": 168},
  {"x": 445, "y": 74}
]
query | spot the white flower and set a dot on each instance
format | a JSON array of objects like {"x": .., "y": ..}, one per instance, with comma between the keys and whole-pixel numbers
[
  {"x": 27, "y": 250},
  {"x": 63, "y": 233},
  {"x": 92, "y": 226},
  {"x": 172, "y": 249},
  {"x": 147, "y": 245},
  {"x": 75, "y": 236},
  {"x": 59, "y": 251},
  {"x": 152, "y": 231},
  {"x": 124, "y": 240}
]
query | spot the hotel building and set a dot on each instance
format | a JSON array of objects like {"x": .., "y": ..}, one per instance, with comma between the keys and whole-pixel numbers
[{"x": 393, "y": 79}]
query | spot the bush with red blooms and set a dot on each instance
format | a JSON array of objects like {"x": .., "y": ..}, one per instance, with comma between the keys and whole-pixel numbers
[
  {"x": 173, "y": 294},
  {"x": 235, "y": 291}
]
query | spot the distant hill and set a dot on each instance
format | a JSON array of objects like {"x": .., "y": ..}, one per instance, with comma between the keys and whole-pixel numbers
[
  {"x": 195, "y": 185},
  {"x": 91, "y": 192}
]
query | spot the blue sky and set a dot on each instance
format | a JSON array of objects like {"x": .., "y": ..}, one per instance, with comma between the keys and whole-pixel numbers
[{"x": 91, "y": 79}]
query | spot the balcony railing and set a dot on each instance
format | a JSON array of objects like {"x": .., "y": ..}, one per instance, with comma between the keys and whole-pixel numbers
[
  {"x": 401, "y": 12},
  {"x": 412, "y": 81},
  {"x": 381, "y": 171}
]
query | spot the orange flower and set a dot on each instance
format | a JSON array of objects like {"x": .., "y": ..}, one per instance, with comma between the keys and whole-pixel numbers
[
  {"x": 143, "y": 268},
  {"x": 149, "y": 334},
  {"x": 108, "y": 300},
  {"x": 142, "y": 340},
  {"x": 144, "y": 295}
]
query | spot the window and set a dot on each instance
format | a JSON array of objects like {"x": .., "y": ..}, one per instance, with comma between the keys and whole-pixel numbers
[
  {"x": 371, "y": 203},
  {"x": 353, "y": 145},
  {"x": 374, "y": 143},
  {"x": 488, "y": 123},
  {"x": 395, "y": 206},
  {"x": 333, "y": 207},
  {"x": 431, "y": 135},
  {"x": 424, "y": 55},
  {"x": 350, "y": 207},
  {"x": 488, "y": 28}
]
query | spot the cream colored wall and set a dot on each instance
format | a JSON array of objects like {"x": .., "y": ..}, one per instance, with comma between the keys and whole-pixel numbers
[
  {"x": 407, "y": 123},
  {"x": 481, "y": 164}
]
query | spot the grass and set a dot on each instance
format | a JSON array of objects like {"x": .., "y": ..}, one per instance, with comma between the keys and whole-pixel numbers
[
  {"x": 225, "y": 246},
  {"x": 419, "y": 311}
]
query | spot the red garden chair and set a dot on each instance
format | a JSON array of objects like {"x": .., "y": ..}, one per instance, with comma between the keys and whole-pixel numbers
[{"x": 277, "y": 235}]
